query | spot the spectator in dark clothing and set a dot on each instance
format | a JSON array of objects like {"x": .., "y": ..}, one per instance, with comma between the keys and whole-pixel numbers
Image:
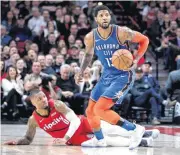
[
  {"x": 21, "y": 32},
  {"x": 74, "y": 55},
  {"x": 171, "y": 51},
  {"x": 9, "y": 21},
  {"x": 173, "y": 89},
  {"x": 58, "y": 63},
  {"x": 70, "y": 91},
  {"x": 149, "y": 78},
  {"x": 171, "y": 32},
  {"x": 150, "y": 98},
  {"x": 21, "y": 69},
  {"x": 47, "y": 45},
  {"x": 156, "y": 29},
  {"x": 48, "y": 69},
  {"x": 64, "y": 28},
  {"x": 76, "y": 12},
  {"x": 5, "y": 39},
  {"x": 173, "y": 85},
  {"x": 31, "y": 57}
]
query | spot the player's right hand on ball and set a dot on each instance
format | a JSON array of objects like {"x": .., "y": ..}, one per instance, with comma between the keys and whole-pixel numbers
[
  {"x": 13, "y": 142},
  {"x": 78, "y": 78}
]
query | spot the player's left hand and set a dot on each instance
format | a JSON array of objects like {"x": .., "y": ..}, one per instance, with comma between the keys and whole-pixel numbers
[
  {"x": 13, "y": 142},
  {"x": 61, "y": 141},
  {"x": 134, "y": 66}
]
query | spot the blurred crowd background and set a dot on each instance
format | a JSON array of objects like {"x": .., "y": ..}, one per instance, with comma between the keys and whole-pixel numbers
[{"x": 42, "y": 43}]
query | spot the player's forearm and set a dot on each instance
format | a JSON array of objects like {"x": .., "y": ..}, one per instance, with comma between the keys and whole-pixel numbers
[
  {"x": 74, "y": 124},
  {"x": 86, "y": 61},
  {"x": 143, "y": 44}
]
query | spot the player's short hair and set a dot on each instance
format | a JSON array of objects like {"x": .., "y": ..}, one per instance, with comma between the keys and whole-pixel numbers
[
  {"x": 34, "y": 92},
  {"x": 99, "y": 8}
]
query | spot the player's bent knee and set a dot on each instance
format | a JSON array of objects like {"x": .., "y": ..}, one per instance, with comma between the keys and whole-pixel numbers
[
  {"x": 89, "y": 112},
  {"x": 98, "y": 112}
]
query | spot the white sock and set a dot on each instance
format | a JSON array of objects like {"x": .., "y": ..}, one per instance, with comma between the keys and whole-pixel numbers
[{"x": 110, "y": 130}]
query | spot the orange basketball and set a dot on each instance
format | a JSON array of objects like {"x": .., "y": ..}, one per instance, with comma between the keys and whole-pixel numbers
[{"x": 122, "y": 59}]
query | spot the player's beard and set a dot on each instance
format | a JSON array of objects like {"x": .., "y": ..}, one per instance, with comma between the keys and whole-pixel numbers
[{"x": 104, "y": 25}]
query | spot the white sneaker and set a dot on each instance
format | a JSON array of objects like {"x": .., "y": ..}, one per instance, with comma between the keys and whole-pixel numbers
[
  {"x": 147, "y": 142},
  {"x": 154, "y": 133},
  {"x": 94, "y": 143},
  {"x": 136, "y": 136}
]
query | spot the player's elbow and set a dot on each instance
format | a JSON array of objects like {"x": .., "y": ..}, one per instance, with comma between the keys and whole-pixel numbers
[{"x": 146, "y": 40}]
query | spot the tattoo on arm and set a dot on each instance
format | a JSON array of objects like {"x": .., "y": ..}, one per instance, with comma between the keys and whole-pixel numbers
[
  {"x": 86, "y": 60},
  {"x": 28, "y": 138}
]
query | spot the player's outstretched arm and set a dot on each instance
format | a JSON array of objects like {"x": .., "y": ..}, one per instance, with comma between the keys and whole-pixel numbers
[
  {"x": 30, "y": 133},
  {"x": 126, "y": 34},
  {"x": 89, "y": 52},
  {"x": 70, "y": 116}
]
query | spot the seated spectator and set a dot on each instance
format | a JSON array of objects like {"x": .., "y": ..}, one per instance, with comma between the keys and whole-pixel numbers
[
  {"x": 61, "y": 44},
  {"x": 79, "y": 43},
  {"x": 10, "y": 21},
  {"x": 47, "y": 45},
  {"x": 166, "y": 23},
  {"x": 36, "y": 23},
  {"x": 59, "y": 61},
  {"x": 74, "y": 30},
  {"x": 74, "y": 55},
  {"x": 34, "y": 80},
  {"x": 12, "y": 43},
  {"x": 65, "y": 53},
  {"x": 59, "y": 16},
  {"x": 50, "y": 29},
  {"x": 76, "y": 12},
  {"x": 88, "y": 83},
  {"x": 53, "y": 51},
  {"x": 3, "y": 72},
  {"x": 5, "y": 38},
  {"x": 5, "y": 53},
  {"x": 171, "y": 31},
  {"x": 31, "y": 57},
  {"x": 21, "y": 68},
  {"x": 171, "y": 51},
  {"x": 64, "y": 28},
  {"x": 150, "y": 98},
  {"x": 73, "y": 66},
  {"x": 173, "y": 90},
  {"x": 34, "y": 47},
  {"x": 12, "y": 60},
  {"x": 146, "y": 67},
  {"x": 48, "y": 69},
  {"x": 70, "y": 91},
  {"x": 21, "y": 32},
  {"x": 13, "y": 90},
  {"x": 71, "y": 40}
]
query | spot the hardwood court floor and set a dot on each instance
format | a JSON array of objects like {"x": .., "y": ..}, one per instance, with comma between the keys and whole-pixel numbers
[{"x": 168, "y": 143}]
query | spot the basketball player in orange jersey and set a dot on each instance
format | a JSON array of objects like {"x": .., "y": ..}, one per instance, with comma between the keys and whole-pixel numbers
[
  {"x": 113, "y": 84},
  {"x": 55, "y": 118}
]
